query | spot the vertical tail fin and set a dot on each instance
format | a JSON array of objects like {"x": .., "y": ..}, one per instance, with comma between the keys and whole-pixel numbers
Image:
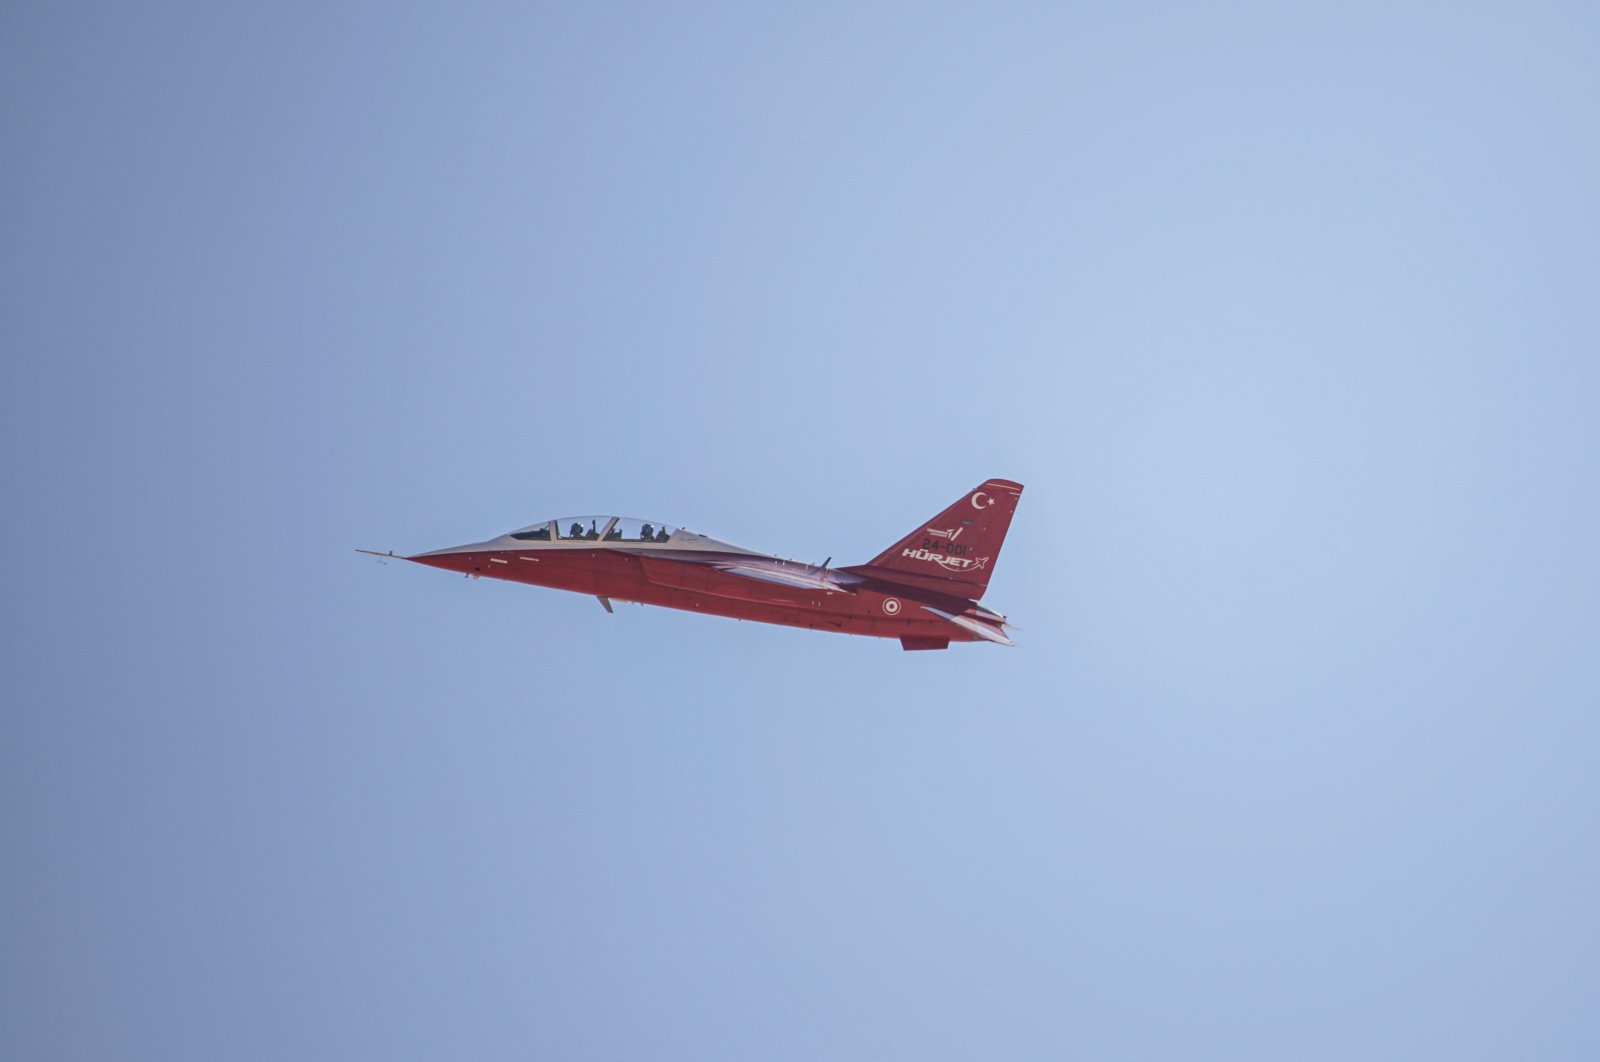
[{"x": 955, "y": 552}]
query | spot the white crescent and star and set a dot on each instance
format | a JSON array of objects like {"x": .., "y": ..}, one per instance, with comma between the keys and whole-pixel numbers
[{"x": 984, "y": 504}]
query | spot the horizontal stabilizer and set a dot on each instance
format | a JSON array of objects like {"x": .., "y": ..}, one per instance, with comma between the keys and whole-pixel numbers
[{"x": 983, "y": 630}]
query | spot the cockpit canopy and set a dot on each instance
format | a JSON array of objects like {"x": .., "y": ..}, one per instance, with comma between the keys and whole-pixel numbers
[{"x": 597, "y": 529}]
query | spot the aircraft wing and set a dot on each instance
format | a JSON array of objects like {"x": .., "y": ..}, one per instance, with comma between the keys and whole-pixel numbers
[
  {"x": 693, "y": 575},
  {"x": 806, "y": 579}
]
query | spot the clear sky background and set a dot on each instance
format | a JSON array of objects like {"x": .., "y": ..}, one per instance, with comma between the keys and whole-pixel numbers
[{"x": 1288, "y": 316}]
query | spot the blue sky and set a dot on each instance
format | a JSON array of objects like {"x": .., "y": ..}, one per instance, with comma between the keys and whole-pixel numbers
[{"x": 1285, "y": 317}]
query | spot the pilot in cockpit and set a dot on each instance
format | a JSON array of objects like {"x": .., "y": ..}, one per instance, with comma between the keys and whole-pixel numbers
[
  {"x": 647, "y": 534},
  {"x": 577, "y": 530}
]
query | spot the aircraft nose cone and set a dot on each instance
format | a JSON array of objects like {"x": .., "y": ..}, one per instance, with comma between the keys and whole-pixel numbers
[
  {"x": 453, "y": 559},
  {"x": 432, "y": 560}
]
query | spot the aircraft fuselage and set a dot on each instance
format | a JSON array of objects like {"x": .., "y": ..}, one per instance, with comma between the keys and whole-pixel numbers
[
  {"x": 923, "y": 590},
  {"x": 869, "y": 607}
]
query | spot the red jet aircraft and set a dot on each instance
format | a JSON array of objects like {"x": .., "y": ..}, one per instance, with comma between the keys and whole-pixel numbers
[{"x": 923, "y": 590}]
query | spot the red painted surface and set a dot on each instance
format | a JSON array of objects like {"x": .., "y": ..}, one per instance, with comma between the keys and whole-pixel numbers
[
  {"x": 695, "y": 586},
  {"x": 956, "y": 551},
  {"x": 944, "y": 565}
]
